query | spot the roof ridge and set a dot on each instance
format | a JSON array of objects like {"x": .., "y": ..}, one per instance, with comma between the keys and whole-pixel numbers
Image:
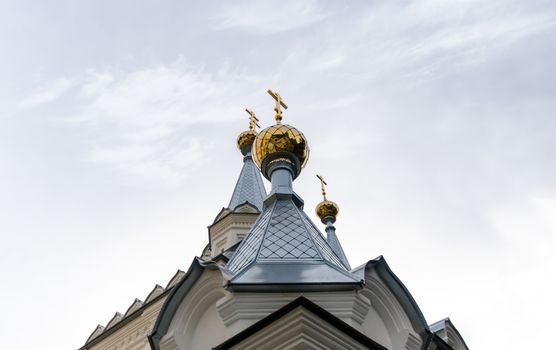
[
  {"x": 302, "y": 217},
  {"x": 265, "y": 231},
  {"x": 247, "y": 240},
  {"x": 307, "y": 221}
]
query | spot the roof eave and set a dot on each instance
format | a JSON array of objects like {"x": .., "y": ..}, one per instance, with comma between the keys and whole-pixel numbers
[
  {"x": 401, "y": 293},
  {"x": 293, "y": 287},
  {"x": 172, "y": 303}
]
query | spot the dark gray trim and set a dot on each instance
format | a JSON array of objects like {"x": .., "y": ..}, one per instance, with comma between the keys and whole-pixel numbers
[
  {"x": 402, "y": 295},
  {"x": 172, "y": 303},
  {"x": 457, "y": 332},
  {"x": 313, "y": 308}
]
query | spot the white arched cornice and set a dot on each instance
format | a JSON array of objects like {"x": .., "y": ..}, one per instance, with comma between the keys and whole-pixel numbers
[
  {"x": 385, "y": 303},
  {"x": 205, "y": 293},
  {"x": 173, "y": 302},
  {"x": 405, "y": 324},
  {"x": 194, "y": 296}
]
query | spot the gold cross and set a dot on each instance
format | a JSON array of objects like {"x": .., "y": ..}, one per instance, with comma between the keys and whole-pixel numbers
[
  {"x": 253, "y": 120},
  {"x": 322, "y": 186},
  {"x": 279, "y": 103}
]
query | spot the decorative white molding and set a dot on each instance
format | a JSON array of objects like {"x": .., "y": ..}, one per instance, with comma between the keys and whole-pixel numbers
[
  {"x": 207, "y": 290},
  {"x": 350, "y": 306},
  {"x": 175, "y": 279},
  {"x": 413, "y": 342},
  {"x": 136, "y": 305},
  {"x": 169, "y": 343},
  {"x": 157, "y": 290},
  {"x": 231, "y": 229},
  {"x": 299, "y": 330},
  {"x": 117, "y": 318},
  {"x": 98, "y": 330}
]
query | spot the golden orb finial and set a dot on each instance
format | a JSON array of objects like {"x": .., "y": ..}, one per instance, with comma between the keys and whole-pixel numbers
[
  {"x": 245, "y": 139},
  {"x": 280, "y": 142},
  {"x": 326, "y": 210}
]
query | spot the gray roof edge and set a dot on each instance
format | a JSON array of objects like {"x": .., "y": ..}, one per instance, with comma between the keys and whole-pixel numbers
[
  {"x": 401, "y": 293},
  {"x": 172, "y": 303},
  {"x": 347, "y": 273},
  {"x": 435, "y": 327},
  {"x": 293, "y": 287},
  {"x": 290, "y": 272}
]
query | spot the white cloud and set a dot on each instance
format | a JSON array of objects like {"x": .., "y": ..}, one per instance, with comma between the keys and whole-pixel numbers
[
  {"x": 414, "y": 41},
  {"x": 264, "y": 17},
  {"x": 143, "y": 121},
  {"x": 49, "y": 92}
]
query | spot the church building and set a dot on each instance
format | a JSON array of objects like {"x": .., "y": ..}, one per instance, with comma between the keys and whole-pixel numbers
[{"x": 270, "y": 279}]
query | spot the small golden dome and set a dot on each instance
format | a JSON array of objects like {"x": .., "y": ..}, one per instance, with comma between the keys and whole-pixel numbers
[
  {"x": 245, "y": 141},
  {"x": 280, "y": 139},
  {"x": 327, "y": 210}
]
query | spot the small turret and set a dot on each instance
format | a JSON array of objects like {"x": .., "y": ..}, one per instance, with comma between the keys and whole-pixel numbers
[
  {"x": 246, "y": 203},
  {"x": 327, "y": 211}
]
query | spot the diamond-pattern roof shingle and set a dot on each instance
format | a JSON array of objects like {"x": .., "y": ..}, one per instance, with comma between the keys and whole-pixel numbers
[
  {"x": 247, "y": 251},
  {"x": 287, "y": 237},
  {"x": 285, "y": 247},
  {"x": 249, "y": 187}
]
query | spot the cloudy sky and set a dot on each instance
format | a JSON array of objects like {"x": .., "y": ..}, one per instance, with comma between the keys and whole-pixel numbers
[{"x": 433, "y": 121}]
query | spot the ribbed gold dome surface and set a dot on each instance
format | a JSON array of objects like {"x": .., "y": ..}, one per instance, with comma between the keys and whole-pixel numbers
[
  {"x": 280, "y": 138},
  {"x": 245, "y": 141},
  {"x": 327, "y": 209}
]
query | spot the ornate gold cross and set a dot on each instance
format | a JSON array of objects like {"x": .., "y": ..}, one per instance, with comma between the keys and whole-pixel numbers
[
  {"x": 322, "y": 186},
  {"x": 253, "y": 120},
  {"x": 279, "y": 103}
]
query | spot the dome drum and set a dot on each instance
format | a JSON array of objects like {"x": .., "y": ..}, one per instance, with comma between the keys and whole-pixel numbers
[{"x": 280, "y": 160}]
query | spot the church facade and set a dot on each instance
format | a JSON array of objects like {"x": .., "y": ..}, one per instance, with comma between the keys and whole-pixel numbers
[{"x": 270, "y": 279}]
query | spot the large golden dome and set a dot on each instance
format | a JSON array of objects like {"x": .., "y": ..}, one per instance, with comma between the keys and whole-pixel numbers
[
  {"x": 280, "y": 140},
  {"x": 327, "y": 210},
  {"x": 245, "y": 141}
]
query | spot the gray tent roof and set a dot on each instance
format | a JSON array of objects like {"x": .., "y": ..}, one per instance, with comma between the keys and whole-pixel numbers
[
  {"x": 284, "y": 247},
  {"x": 249, "y": 187}
]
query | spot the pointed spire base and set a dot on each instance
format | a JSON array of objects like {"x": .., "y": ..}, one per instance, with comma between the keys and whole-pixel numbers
[{"x": 334, "y": 243}]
